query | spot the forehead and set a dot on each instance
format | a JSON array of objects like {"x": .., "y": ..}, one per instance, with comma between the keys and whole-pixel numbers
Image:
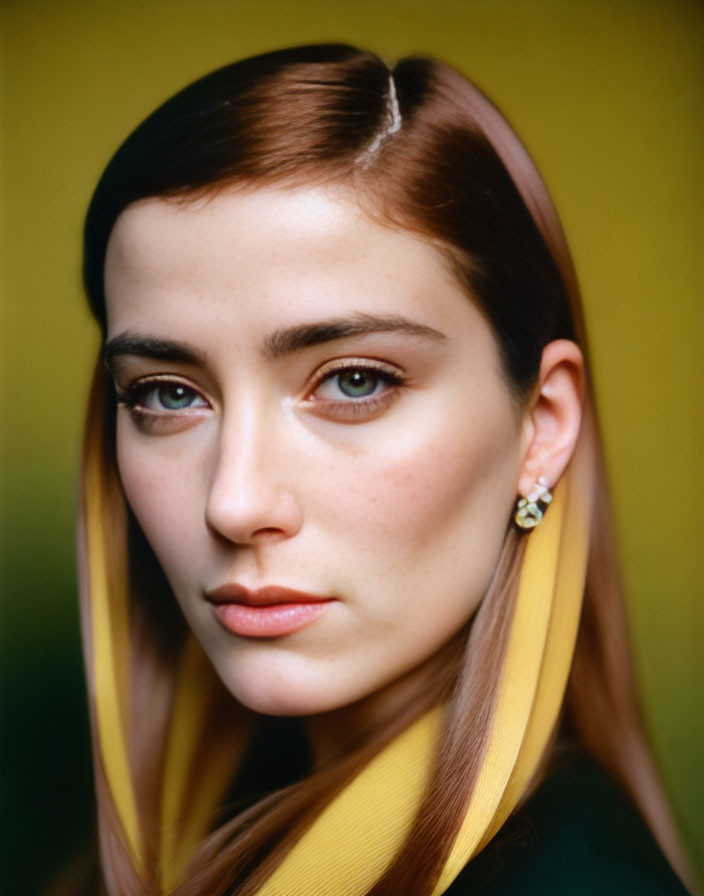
[{"x": 294, "y": 253}]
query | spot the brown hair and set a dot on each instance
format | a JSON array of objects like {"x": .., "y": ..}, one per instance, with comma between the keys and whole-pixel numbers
[{"x": 424, "y": 150}]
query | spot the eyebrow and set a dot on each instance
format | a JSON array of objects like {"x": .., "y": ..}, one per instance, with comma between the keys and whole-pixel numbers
[
  {"x": 148, "y": 347},
  {"x": 288, "y": 340},
  {"x": 282, "y": 342}
]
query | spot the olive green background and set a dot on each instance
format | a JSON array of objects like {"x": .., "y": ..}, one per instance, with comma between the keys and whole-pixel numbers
[{"x": 608, "y": 97}]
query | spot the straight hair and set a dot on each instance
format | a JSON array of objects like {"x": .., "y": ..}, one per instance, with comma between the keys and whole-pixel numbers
[{"x": 421, "y": 149}]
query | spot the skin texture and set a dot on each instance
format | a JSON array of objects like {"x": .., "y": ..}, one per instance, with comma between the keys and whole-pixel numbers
[{"x": 394, "y": 504}]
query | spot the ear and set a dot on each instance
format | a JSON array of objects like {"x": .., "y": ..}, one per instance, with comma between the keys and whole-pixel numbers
[{"x": 553, "y": 416}]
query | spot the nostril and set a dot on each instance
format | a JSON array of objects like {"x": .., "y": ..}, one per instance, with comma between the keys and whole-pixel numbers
[
  {"x": 246, "y": 504},
  {"x": 268, "y": 530}
]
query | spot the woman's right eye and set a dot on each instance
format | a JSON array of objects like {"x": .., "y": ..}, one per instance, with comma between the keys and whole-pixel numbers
[
  {"x": 160, "y": 398},
  {"x": 171, "y": 397}
]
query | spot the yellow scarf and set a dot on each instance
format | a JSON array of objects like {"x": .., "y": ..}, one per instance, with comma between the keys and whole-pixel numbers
[{"x": 357, "y": 835}]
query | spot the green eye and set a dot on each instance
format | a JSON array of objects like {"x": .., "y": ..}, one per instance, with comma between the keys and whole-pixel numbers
[
  {"x": 357, "y": 383},
  {"x": 174, "y": 397},
  {"x": 161, "y": 397},
  {"x": 356, "y": 387}
]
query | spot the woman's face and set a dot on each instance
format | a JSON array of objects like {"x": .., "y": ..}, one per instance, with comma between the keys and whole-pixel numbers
[{"x": 309, "y": 402}]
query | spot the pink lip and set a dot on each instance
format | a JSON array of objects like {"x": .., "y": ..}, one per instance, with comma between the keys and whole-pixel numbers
[{"x": 269, "y": 612}]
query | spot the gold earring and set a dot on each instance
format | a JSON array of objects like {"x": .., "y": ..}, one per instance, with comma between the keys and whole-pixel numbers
[{"x": 531, "y": 509}]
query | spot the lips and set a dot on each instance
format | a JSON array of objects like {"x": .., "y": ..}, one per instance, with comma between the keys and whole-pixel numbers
[{"x": 269, "y": 612}]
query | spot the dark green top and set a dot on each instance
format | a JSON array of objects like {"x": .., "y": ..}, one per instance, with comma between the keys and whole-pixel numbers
[{"x": 579, "y": 835}]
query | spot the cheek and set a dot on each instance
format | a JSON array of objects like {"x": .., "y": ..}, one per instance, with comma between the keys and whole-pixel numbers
[
  {"x": 432, "y": 487},
  {"x": 162, "y": 492},
  {"x": 428, "y": 516}
]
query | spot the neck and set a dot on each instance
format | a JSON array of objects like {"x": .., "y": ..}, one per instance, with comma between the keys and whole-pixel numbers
[{"x": 333, "y": 734}]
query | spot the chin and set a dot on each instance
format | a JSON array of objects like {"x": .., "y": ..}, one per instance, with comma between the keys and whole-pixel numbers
[
  {"x": 288, "y": 703},
  {"x": 278, "y": 691}
]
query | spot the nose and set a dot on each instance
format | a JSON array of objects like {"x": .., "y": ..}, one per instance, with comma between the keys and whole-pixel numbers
[{"x": 252, "y": 497}]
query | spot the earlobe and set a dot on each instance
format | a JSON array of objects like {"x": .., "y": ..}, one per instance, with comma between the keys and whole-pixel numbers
[{"x": 553, "y": 417}]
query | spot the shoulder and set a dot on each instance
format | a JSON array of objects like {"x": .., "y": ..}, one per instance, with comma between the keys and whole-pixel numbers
[{"x": 578, "y": 834}]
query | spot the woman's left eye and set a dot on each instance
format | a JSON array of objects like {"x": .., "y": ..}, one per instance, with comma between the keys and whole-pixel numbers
[
  {"x": 359, "y": 390},
  {"x": 356, "y": 382}
]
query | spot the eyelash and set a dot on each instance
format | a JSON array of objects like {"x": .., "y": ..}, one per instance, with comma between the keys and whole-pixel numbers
[
  {"x": 133, "y": 395},
  {"x": 364, "y": 406}
]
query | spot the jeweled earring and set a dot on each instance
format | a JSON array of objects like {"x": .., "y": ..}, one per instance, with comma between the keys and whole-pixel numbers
[{"x": 531, "y": 509}]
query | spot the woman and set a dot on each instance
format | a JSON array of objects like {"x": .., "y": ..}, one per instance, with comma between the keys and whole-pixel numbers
[{"x": 331, "y": 607}]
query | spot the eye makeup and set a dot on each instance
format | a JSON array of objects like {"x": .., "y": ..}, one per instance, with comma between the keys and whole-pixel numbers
[
  {"x": 354, "y": 389},
  {"x": 161, "y": 402},
  {"x": 343, "y": 390}
]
